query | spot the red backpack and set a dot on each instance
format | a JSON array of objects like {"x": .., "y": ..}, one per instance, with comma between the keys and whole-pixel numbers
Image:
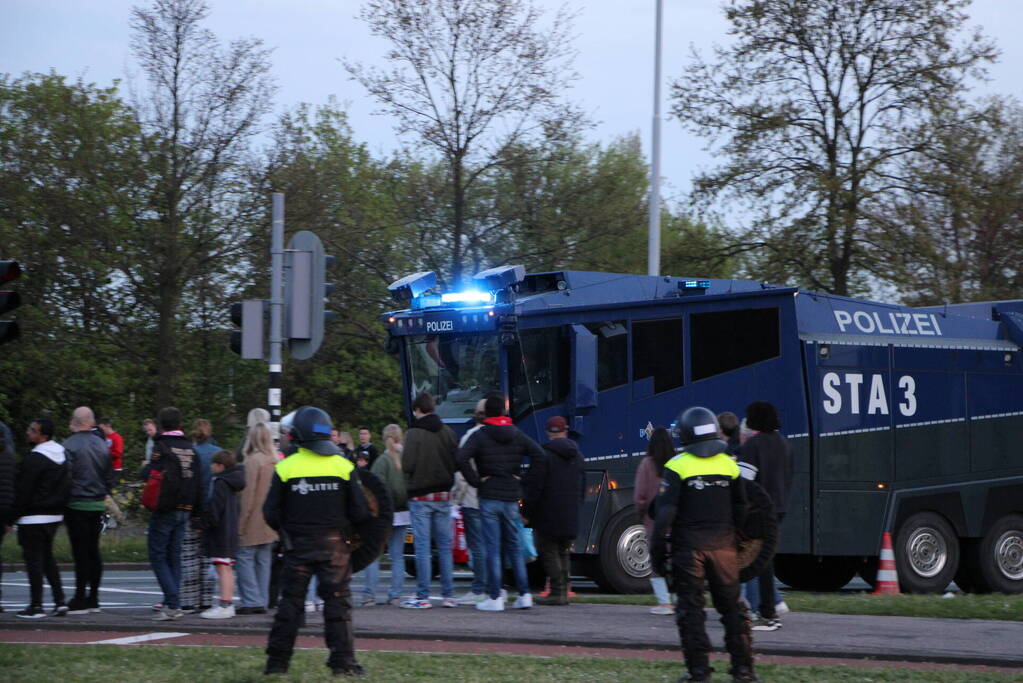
[{"x": 151, "y": 491}]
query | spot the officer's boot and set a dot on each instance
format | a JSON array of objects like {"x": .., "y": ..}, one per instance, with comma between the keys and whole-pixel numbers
[{"x": 337, "y": 625}]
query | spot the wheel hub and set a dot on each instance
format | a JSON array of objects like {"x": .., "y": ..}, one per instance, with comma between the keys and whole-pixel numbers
[
  {"x": 633, "y": 552},
  {"x": 927, "y": 552},
  {"x": 1009, "y": 554}
]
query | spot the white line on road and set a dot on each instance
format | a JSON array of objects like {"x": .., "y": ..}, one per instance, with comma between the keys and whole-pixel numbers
[
  {"x": 102, "y": 588},
  {"x": 137, "y": 639}
]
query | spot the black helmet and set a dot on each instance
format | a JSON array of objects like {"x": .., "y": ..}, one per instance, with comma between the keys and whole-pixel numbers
[
  {"x": 697, "y": 428},
  {"x": 310, "y": 428}
]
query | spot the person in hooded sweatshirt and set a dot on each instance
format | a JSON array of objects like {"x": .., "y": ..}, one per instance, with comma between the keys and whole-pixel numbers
[
  {"x": 555, "y": 486},
  {"x": 498, "y": 450},
  {"x": 220, "y": 527},
  {"x": 42, "y": 487},
  {"x": 428, "y": 461}
]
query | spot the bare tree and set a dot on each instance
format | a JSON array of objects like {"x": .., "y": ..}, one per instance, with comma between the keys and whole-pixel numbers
[
  {"x": 812, "y": 106},
  {"x": 203, "y": 105},
  {"x": 470, "y": 79}
]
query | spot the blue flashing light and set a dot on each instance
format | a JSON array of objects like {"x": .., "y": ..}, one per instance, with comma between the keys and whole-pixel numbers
[
  {"x": 468, "y": 297},
  {"x": 694, "y": 284},
  {"x": 426, "y": 301}
]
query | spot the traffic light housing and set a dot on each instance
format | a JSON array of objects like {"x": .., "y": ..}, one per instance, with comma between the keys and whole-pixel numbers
[
  {"x": 305, "y": 294},
  {"x": 9, "y": 300},
  {"x": 247, "y": 341}
]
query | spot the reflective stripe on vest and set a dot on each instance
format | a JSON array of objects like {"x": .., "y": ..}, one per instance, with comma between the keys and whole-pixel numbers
[
  {"x": 688, "y": 465},
  {"x": 306, "y": 463}
]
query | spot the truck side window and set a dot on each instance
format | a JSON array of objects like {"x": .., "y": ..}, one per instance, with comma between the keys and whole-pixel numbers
[
  {"x": 657, "y": 352},
  {"x": 728, "y": 340},
  {"x": 538, "y": 369},
  {"x": 612, "y": 353}
]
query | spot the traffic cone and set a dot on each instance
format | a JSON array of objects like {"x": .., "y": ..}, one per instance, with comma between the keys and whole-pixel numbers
[{"x": 887, "y": 578}]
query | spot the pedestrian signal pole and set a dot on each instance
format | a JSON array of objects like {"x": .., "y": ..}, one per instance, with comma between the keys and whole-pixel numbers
[{"x": 276, "y": 311}]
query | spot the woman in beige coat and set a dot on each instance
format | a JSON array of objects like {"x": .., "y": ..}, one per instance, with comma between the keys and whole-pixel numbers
[{"x": 256, "y": 542}]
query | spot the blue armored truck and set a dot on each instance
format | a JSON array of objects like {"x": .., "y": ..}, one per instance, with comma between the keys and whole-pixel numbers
[{"x": 902, "y": 420}]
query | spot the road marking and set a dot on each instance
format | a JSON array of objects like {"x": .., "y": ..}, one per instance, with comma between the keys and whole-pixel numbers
[
  {"x": 102, "y": 588},
  {"x": 137, "y": 639}
]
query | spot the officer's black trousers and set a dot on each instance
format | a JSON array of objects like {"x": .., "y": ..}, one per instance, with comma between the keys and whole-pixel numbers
[
  {"x": 331, "y": 566},
  {"x": 719, "y": 570}
]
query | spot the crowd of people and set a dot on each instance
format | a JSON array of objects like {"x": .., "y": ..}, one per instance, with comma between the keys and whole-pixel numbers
[{"x": 284, "y": 522}]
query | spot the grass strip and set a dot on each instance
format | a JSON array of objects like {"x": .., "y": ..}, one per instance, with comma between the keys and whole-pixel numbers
[
  {"x": 961, "y": 606},
  {"x": 115, "y": 546},
  {"x": 187, "y": 664}
]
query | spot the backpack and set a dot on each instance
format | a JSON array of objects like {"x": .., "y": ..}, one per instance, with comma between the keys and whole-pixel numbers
[
  {"x": 151, "y": 491},
  {"x": 163, "y": 485}
]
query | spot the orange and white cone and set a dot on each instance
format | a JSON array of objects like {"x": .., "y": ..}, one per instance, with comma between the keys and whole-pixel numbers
[{"x": 887, "y": 578}]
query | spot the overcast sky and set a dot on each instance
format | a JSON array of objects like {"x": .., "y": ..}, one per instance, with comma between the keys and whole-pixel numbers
[{"x": 89, "y": 38}]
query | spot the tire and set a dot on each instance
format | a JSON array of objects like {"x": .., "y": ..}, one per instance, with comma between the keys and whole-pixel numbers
[
  {"x": 926, "y": 553},
  {"x": 1001, "y": 555},
  {"x": 819, "y": 574},
  {"x": 624, "y": 564}
]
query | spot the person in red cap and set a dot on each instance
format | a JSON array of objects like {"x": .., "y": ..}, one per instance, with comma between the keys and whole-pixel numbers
[{"x": 554, "y": 489}]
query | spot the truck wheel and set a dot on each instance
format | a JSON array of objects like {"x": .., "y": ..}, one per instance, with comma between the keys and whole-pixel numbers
[
  {"x": 1001, "y": 555},
  {"x": 809, "y": 573},
  {"x": 926, "y": 553},
  {"x": 624, "y": 560}
]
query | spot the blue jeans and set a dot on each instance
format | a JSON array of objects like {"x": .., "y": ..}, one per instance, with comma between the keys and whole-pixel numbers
[
  {"x": 473, "y": 522},
  {"x": 501, "y": 532},
  {"x": 253, "y": 571},
  {"x": 166, "y": 529},
  {"x": 396, "y": 551},
  {"x": 751, "y": 591},
  {"x": 432, "y": 519}
]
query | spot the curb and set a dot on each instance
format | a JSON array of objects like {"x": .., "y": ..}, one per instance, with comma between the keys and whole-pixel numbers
[{"x": 932, "y": 658}]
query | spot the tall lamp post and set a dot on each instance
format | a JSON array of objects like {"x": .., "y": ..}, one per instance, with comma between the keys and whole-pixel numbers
[{"x": 654, "y": 237}]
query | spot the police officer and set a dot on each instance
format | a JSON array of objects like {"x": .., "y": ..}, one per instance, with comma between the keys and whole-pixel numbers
[
  {"x": 701, "y": 502},
  {"x": 313, "y": 502}
]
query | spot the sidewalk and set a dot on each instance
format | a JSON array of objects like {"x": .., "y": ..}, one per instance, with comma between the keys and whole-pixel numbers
[{"x": 953, "y": 641}]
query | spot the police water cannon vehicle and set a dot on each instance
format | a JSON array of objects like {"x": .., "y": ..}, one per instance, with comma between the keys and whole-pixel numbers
[{"x": 902, "y": 420}]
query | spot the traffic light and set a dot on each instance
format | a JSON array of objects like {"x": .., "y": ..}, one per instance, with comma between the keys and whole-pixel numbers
[
  {"x": 305, "y": 294},
  {"x": 247, "y": 341},
  {"x": 9, "y": 300}
]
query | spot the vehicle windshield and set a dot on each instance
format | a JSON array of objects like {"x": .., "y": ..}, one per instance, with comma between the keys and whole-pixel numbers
[{"x": 457, "y": 369}]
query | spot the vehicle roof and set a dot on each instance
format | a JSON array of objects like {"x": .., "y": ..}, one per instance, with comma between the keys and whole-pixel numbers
[{"x": 824, "y": 318}]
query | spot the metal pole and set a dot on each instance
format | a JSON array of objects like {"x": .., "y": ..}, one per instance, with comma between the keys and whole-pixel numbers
[
  {"x": 276, "y": 311},
  {"x": 654, "y": 237}
]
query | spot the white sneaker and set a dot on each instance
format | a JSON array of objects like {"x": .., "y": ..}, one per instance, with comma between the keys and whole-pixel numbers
[
  {"x": 471, "y": 598},
  {"x": 524, "y": 601},
  {"x": 662, "y": 610},
  {"x": 491, "y": 605},
  {"x": 218, "y": 612},
  {"x": 781, "y": 608}
]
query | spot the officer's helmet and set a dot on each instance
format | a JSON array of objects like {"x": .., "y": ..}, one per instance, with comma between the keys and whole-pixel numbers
[
  {"x": 697, "y": 429},
  {"x": 310, "y": 428},
  {"x": 287, "y": 443}
]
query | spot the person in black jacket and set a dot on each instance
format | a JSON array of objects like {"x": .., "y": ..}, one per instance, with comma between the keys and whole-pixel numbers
[
  {"x": 180, "y": 500},
  {"x": 8, "y": 464},
  {"x": 554, "y": 489},
  {"x": 498, "y": 449},
  {"x": 314, "y": 503},
  {"x": 766, "y": 458},
  {"x": 220, "y": 527},
  {"x": 42, "y": 487},
  {"x": 701, "y": 503}
]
